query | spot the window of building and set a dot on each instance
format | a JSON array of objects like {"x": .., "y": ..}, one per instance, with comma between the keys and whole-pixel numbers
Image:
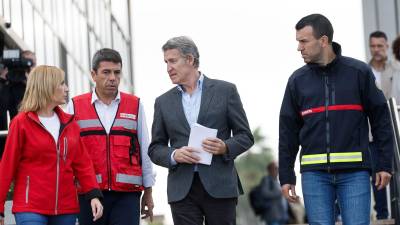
[
  {"x": 69, "y": 25},
  {"x": 119, "y": 9},
  {"x": 39, "y": 39},
  {"x": 16, "y": 17},
  {"x": 7, "y": 10},
  {"x": 121, "y": 45},
  {"x": 49, "y": 48},
  {"x": 1, "y": 8},
  {"x": 83, "y": 42},
  {"x": 47, "y": 10},
  {"x": 107, "y": 24},
  {"x": 81, "y": 5},
  {"x": 90, "y": 12},
  {"x": 61, "y": 20},
  {"x": 29, "y": 37},
  {"x": 38, "y": 4}
]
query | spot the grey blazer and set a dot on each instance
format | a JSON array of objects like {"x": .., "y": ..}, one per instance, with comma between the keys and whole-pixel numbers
[{"x": 220, "y": 109}]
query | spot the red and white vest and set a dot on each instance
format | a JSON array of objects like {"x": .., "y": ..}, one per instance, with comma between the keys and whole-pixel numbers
[{"x": 116, "y": 156}]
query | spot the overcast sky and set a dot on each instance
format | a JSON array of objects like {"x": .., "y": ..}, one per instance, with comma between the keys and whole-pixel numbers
[{"x": 250, "y": 43}]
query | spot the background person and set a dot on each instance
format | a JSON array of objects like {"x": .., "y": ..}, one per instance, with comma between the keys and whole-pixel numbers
[
  {"x": 396, "y": 70},
  {"x": 383, "y": 71},
  {"x": 276, "y": 210},
  {"x": 12, "y": 89}
]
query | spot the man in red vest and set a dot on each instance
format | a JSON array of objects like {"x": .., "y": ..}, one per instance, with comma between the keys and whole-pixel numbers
[{"x": 114, "y": 130}]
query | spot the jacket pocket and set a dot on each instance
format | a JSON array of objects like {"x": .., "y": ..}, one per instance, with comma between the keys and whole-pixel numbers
[
  {"x": 121, "y": 146},
  {"x": 27, "y": 190},
  {"x": 65, "y": 149}
]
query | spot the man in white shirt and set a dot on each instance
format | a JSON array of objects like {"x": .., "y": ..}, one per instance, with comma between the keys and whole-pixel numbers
[
  {"x": 382, "y": 69},
  {"x": 114, "y": 130},
  {"x": 381, "y": 66}
]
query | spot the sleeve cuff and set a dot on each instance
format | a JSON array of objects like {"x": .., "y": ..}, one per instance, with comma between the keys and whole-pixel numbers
[
  {"x": 173, "y": 162},
  {"x": 95, "y": 193},
  {"x": 227, "y": 156},
  {"x": 149, "y": 180},
  {"x": 287, "y": 179},
  {"x": 388, "y": 170}
]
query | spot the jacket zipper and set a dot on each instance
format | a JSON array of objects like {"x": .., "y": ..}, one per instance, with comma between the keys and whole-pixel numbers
[
  {"x": 58, "y": 166},
  {"x": 108, "y": 162},
  {"x": 58, "y": 158},
  {"x": 65, "y": 148},
  {"x": 27, "y": 190},
  {"x": 333, "y": 100},
  {"x": 327, "y": 125},
  {"x": 57, "y": 177},
  {"x": 58, "y": 163}
]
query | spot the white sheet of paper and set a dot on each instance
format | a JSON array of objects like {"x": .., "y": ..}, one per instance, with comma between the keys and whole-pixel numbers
[{"x": 197, "y": 134}]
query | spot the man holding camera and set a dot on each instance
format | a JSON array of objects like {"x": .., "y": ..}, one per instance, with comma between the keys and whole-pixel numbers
[{"x": 12, "y": 88}]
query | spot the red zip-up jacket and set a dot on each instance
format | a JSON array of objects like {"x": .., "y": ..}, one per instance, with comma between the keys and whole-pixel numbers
[{"x": 43, "y": 171}]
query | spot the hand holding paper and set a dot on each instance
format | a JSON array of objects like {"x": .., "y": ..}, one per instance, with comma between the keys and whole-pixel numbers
[
  {"x": 214, "y": 146},
  {"x": 186, "y": 155},
  {"x": 198, "y": 134}
]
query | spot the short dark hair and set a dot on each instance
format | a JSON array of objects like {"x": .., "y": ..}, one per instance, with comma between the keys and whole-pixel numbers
[
  {"x": 105, "y": 54},
  {"x": 378, "y": 34},
  {"x": 320, "y": 24},
  {"x": 396, "y": 48}
]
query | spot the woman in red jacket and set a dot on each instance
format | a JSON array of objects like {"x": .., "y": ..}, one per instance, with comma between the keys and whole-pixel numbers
[{"x": 43, "y": 156}]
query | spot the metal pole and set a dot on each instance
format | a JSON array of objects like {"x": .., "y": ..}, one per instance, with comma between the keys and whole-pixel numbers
[{"x": 395, "y": 182}]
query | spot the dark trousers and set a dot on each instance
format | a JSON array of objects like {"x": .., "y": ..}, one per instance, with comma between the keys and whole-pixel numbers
[
  {"x": 381, "y": 206},
  {"x": 198, "y": 206},
  {"x": 120, "y": 208}
]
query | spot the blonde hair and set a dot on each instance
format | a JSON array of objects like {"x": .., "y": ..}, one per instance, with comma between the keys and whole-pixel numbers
[{"x": 41, "y": 85}]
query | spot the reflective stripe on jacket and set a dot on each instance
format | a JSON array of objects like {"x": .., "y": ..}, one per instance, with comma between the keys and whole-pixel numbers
[{"x": 116, "y": 156}]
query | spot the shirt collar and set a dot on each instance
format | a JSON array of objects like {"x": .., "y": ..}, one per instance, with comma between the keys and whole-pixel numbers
[
  {"x": 199, "y": 84},
  {"x": 96, "y": 98},
  {"x": 387, "y": 62}
]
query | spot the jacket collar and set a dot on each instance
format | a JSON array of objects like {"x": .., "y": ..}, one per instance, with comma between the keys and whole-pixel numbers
[
  {"x": 95, "y": 97},
  {"x": 206, "y": 97},
  {"x": 337, "y": 49},
  {"x": 199, "y": 84},
  {"x": 64, "y": 117}
]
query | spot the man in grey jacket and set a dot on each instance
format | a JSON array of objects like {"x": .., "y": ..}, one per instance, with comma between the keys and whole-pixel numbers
[
  {"x": 197, "y": 191},
  {"x": 380, "y": 64},
  {"x": 383, "y": 71}
]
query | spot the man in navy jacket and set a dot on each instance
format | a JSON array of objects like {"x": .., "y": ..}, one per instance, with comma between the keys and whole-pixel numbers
[{"x": 325, "y": 110}]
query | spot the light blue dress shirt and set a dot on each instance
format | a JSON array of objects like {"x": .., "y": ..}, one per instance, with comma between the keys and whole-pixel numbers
[
  {"x": 191, "y": 106},
  {"x": 191, "y": 103}
]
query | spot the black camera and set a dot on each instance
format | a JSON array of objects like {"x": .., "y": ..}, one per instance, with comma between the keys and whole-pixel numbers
[{"x": 17, "y": 65}]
